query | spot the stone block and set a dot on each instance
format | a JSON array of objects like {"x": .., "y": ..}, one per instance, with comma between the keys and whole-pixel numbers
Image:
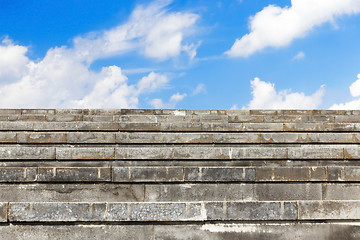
[
  {"x": 90, "y": 137},
  {"x": 56, "y": 212},
  {"x": 341, "y": 191},
  {"x": 335, "y": 173},
  {"x": 148, "y": 174},
  {"x": 316, "y": 152},
  {"x": 41, "y": 137},
  {"x": 20, "y": 153},
  {"x": 287, "y": 192},
  {"x": 199, "y": 192},
  {"x": 329, "y": 210},
  {"x": 293, "y": 174},
  {"x": 75, "y": 192},
  {"x": 78, "y": 174},
  {"x": 18, "y": 174},
  {"x": 3, "y": 211},
  {"x": 8, "y": 137},
  {"x": 117, "y": 212},
  {"x": 219, "y": 174},
  {"x": 166, "y": 212},
  {"x": 263, "y": 127},
  {"x": 101, "y": 153},
  {"x": 261, "y": 211}
]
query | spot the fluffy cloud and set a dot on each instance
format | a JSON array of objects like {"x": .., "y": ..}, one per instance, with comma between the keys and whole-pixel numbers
[
  {"x": 265, "y": 96},
  {"x": 63, "y": 78},
  {"x": 151, "y": 30},
  {"x": 355, "y": 92},
  {"x": 174, "y": 99},
  {"x": 299, "y": 56},
  {"x": 276, "y": 27}
]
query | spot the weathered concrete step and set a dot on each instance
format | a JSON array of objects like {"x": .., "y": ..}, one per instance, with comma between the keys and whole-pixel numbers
[
  {"x": 209, "y": 231},
  {"x": 178, "y": 126},
  {"x": 179, "y": 211},
  {"x": 178, "y": 119},
  {"x": 181, "y": 152},
  {"x": 179, "y": 174},
  {"x": 149, "y": 211},
  {"x": 104, "y": 192},
  {"x": 175, "y": 138},
  {"x": 176, "y": 112}
]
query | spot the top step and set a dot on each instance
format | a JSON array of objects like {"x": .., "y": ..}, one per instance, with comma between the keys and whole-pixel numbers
[{"x": 177, "y": 112}]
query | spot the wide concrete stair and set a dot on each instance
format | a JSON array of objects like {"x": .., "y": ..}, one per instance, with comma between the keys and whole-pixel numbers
[{"x": 179, "y": 174}]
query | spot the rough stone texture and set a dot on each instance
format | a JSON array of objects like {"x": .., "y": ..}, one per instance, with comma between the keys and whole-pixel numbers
[
  {"x": 338, "y": 210},
  {"x": 138, "y": 173}
]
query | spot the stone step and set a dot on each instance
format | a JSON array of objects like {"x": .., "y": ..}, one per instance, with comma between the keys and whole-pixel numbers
[
  {"x": 301, "y": 210},
  {"x": 199, "y": 152},
  {"x": 179, "y": 174},
  {"x": 178, "y": 126},
  {"x": 175, "y": 112},
  {"x": 211, "y": 231},
  {"x": 174, "y": 138},
  {"x": 169, "y": 192},
  {"x": 146, "y": 119}
]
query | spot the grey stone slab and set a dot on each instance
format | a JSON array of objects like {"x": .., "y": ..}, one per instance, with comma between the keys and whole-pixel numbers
[
  {"x": 56, "y": 212},
  {"x": 37, "y": 111},
  {"x": 59, "y": 117},
  {"x": 316, "y": 152},
  {"x": 75, "y": 192},
  {"x": 90, "y": 137},
  {"x": 18, "y": 153},
  {"x": 347, "y": 119},
  {"x": 85, "y": 153},
  {"x": 293, "y": 174},
  {"x": 352, "y": 152},
  {"x": 199, "y": 192},
  {"x": 8, "y": 137},
  {"x": 350, "y": 173},
  {"x": 148, "y": 174},
  {"x": 79, "y": 174},
  {"x": 117, "y": 212},
  {"x": 219, "y": 174},
  {"x": 341, "y": 191},
  {"x": 335, "y": 173},
  {"x": 329, "y": 210},
  {"x": 18, "y": 174},
  {"x": 3, "y": 211},
  {"x": 245, "y": 118},
  {"x": 166, "y": 212},
  {"x": 263, "y": 126},
  {"x": 41, "y": 137},
  {"x": 258, "y": 152},
  {"x": 302, "y": 127},
  {"x": 16, "y": 126},
  {"x": 287, "y": 192},
  {"x": 98, "y": 118},
  {"x": 261, "y": 211}
]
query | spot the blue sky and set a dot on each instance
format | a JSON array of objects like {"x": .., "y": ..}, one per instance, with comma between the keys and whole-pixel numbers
[{"x": 180, "y": 54}]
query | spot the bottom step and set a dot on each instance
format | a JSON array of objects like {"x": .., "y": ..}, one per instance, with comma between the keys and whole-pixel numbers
[
  {"x": 268, "y": 231},
  {"x": 49, "y": 212}
]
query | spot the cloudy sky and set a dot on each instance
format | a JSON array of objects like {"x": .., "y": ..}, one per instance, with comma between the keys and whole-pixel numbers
[{"x": 180, "y": 54}]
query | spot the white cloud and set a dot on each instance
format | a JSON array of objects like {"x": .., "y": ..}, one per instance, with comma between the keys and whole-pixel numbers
[
  {"x": 355, "y": 87},
  {"x": 277, "y": 27},
  {"x": 200, "y": 88},
  {"x": 63, "y": 79},
  {"x": 151, "y": 30},
  {"x": 265, "y": 96},
  {"x": 299, "y": 56},
  {"x": 174, "y": 99},
  {"x": 355, "y": 92},
  {"x": 12, "y": 60}
]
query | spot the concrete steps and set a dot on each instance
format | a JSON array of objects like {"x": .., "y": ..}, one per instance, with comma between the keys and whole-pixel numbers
[{"x": 179, "y": 174}]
